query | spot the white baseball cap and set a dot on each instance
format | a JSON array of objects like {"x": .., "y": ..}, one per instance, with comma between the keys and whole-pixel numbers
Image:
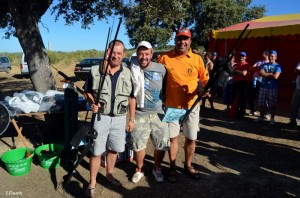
[{"x": 145, "y": 44}]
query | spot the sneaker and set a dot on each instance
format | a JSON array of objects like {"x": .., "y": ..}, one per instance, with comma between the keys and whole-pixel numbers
[
  {"x": 272, "y": 121},
  {"x": 137, "y": 176},
  {"x": 157, "y": 173},
  {"x": 267, "y": 117},
  {"x": 259, "y": 119},
  {"x": 253, "y": 113}
]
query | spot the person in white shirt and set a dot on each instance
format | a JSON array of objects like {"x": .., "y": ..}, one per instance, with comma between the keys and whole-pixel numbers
[{"x": 295, "y": 104}]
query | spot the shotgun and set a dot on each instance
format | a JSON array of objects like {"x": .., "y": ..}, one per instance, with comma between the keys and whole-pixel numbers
[
  {"x": 223, "y": 65},
  {"x": 67, "y": 78}
]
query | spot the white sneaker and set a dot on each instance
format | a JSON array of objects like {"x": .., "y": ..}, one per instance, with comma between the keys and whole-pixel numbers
[
  {"x": 253, "y": 113},
  {"x": 272, "y": 121},
  {"x": 157, "y": 173},
  {"x": 267, "y": 117},
  {"x": 137, "y": 176},
  {"x": 259, "y": 119}
]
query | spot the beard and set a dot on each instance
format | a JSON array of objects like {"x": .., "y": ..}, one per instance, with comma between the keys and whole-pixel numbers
[
  {"x": 115, "y": 62},
  {"x": 144, "y": 62}
]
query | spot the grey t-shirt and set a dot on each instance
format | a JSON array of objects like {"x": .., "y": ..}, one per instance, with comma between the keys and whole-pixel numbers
[{"x": 153, "y": 82}]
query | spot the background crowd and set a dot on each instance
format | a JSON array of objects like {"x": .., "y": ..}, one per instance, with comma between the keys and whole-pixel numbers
[{"x": 177, "y": 81}]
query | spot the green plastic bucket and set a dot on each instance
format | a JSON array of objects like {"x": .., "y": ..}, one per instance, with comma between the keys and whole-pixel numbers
[
  {"x": 17, "y": 162},
  {"x": 49, "y": 155}
]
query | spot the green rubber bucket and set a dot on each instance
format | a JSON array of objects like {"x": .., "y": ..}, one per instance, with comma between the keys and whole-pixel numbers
[
  {"x": 17, "y": 162},
  {"x": 49, "y": 155}
]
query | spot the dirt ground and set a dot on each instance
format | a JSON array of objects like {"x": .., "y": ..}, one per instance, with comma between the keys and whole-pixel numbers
[{"x": 236, "y": 158}]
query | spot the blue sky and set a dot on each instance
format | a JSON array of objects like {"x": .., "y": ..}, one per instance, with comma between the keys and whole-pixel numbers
[{"x": 73, "y": 38}]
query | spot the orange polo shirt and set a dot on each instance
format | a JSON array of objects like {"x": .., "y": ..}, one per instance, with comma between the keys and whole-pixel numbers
[{"x": 183, "y": 72}]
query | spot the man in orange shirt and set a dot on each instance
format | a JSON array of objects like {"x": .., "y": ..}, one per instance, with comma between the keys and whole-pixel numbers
[{"x": 185, "y": 70}]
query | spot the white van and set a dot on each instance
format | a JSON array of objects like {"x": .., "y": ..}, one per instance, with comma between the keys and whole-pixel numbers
[{"x": 24, "y": 66}]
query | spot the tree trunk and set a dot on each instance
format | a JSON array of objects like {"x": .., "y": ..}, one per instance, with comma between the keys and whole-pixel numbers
[
  {"x": 27, "y": 31},
  {"x": 37, "y": 59}
]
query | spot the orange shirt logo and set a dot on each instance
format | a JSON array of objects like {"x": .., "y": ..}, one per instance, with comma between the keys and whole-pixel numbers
[{"x": 190, "y": 71}]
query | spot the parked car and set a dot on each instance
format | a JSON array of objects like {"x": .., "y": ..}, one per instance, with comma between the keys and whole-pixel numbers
[
  {"x": 5, "y": 65},
  {"x": 133, "y": 57},
  {"x": 126, "y": 60},
  {"x": 83, "y": 69},
  {"x": 156, "y": 54},
  {"x": 24, "y": 66}
]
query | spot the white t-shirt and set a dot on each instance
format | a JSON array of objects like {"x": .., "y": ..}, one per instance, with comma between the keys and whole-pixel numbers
[
  {"x": 298, "y": 78},
  {"x": 259, "y": 64}
]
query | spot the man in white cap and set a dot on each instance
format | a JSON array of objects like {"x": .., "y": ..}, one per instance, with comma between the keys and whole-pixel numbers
[{"x": 148, "y": 79}]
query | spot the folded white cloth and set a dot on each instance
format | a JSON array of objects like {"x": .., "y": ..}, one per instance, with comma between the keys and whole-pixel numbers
[
  {"x": 21, "y": 102},
  {"x": 138, "y": 82}
]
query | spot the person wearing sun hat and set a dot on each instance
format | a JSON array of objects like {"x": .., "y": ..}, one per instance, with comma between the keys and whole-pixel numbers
[
  {"x": 270, "y": 73},
  {"x": 185, "y": 73}
]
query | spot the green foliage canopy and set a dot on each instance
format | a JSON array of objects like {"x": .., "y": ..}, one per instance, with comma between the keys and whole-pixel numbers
[
  {"x": 210, "y": 15},
  {"x": 154, "y": 20}
]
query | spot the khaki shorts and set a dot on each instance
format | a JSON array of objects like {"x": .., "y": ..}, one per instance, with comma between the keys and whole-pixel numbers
[
  {"x": 190, "y": 126},
  {"x": 111, "y": 134},
  {"x": 150, "y": 125}
]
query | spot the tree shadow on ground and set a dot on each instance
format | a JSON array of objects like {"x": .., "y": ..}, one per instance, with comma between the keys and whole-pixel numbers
[
  {"x": 283, "y": 107},
  {"x": 148, "y": 188},
  {"x": 247, "y": 124},
  {"x": 8, "y": 88},
  {"x": 253, "y": 166}
]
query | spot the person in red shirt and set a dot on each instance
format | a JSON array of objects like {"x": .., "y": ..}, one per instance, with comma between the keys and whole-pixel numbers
[{"x": 240, "y": 84}]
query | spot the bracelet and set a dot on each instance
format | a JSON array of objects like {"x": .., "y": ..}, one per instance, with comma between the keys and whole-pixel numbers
[{"x": 132, "y": 121}]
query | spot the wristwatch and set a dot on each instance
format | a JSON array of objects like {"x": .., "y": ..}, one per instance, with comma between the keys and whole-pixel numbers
[{"x": 132, "y": 121}]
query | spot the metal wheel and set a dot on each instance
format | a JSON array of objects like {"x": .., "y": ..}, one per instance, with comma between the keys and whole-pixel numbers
[{"x": 4, "y": 118}]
